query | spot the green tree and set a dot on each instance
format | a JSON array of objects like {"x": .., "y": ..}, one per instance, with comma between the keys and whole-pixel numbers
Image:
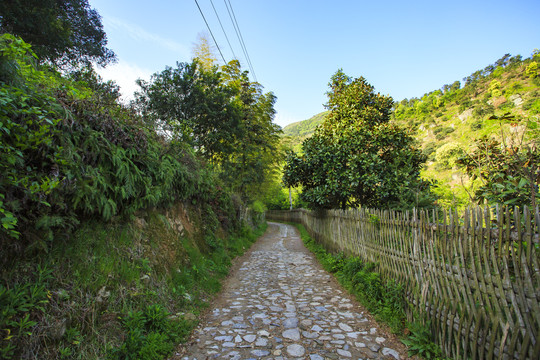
[
  {"x": 357, "y": 157},
  {"x": 225, "y": 118},
  {"x": 204, "y": 51},
  {"x": 502, "y": 62},
  {"x": 456, "y": 85},
  {"x": 495, "y": 88},
  {"x": 61, "y": 31},
  {"x": 448, "y": 154},
  {"x": 532, "y": 69},
  {"x": 508, "y": 167},
  {"x": 192, "y": 104},
  {"x": 255, "y": 159},
  {"x": 535, "y": 55}
]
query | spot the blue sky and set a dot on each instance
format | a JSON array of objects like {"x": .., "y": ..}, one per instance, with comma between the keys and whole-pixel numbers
[{"x": 403, "y": 48}]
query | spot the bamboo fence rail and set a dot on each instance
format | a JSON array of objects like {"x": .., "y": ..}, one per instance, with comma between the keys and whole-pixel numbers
[{"x": 476, "y": 277}]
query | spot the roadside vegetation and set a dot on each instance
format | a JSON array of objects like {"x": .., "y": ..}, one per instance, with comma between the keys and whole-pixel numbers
[
  {"x": 122, "y": 290},
  {"x": 357, "y": 156},
  {"x": 476, "y": 144},
  {"x": 479, "y": 136},
  {"x": 384, "y": 299},
  {"x": 117, "y": 221}
]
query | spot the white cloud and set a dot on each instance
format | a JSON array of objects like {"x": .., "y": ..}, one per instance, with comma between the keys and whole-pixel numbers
[
  {"x": 139, "y": 34},
  {"x": 125, "y": 74}
]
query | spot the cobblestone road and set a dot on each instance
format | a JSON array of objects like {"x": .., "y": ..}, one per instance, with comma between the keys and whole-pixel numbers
[{"x": 280, "y": 304}]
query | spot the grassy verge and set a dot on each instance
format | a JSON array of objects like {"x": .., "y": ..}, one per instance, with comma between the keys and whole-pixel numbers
[
  {"x": 384, "y": 299},
  {"x": 116, "y": 291}
]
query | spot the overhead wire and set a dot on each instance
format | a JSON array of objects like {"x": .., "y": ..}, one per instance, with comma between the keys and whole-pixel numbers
[
  {"x": 239, "y": 35},
  {"x": 224, "y": 33},
  {"x": 215, "y": 42},
  {"x": 236, "y": 27}
]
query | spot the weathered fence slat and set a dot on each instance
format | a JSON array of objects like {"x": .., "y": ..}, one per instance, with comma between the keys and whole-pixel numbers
[{"x": 477, "y": 277}]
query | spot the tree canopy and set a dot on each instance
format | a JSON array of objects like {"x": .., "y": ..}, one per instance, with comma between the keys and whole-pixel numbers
[
  {"x": 204, "y": 51},
  {"x": 226, "y": 118},
  {"x": 356, "y": 156},
  {"x": 64, "y": 32}
]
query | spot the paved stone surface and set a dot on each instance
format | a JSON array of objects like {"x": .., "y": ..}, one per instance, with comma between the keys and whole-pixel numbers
[{"x": 280, "y": 304}]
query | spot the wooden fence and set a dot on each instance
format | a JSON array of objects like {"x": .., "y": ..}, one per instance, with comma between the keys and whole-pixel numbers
[{"x": 475, "y": 276}]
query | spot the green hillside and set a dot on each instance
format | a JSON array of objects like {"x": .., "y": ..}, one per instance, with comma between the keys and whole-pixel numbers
[
  {"x": 304, "y": 128},
  {"x": 446, "y": 122},
  {"x": 295, "y": 133}
]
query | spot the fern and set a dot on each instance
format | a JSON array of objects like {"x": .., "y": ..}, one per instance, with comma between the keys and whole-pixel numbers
[{"x": 420, "y": 342}]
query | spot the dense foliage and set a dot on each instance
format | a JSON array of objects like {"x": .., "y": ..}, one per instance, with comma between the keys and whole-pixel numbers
[
  {"x": 357, "y": 157},
  {"x": 66, "y": 32},
  {"x": 225, "y": 118},
  {"x": 67, "y": 154},
  {"x": 70, "y": 151},
  {"x": 468, "y": 119},
  {"x": 75, "y": 164},
  {"x": 449, "y": 122},
  {"x": 508, "y": 169}
]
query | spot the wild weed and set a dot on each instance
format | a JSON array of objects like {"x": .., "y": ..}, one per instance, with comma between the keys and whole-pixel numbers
[
  {"x": 384, "y": 299},
  {"x": 20, "y": 305},
  {"x": 150, "y": 334},
  {"x": 420, "y": 342}
]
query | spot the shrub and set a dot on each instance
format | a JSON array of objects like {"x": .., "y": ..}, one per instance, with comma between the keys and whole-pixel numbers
[
  {"x": 430, "y": 149},
  {"x": 150, "y": 334},
  {"x": 447, "y": 155},
  {"x": 419, "y": 342},
  {"x": 258, "y": 206},
  {"x": 533, "y": 105},
  {"x": 515, "y": 88},
  {"x": 532, "y": 69},
  {"x": 495, "y": 88},
  {"x": 476, "y": 125},
  {"x": 499, "y": 70},
  {"x": 29, "y": 156},
  {"x": 465, "y": 105},
  {"x": 483, "y": 110},
  {"x": 507, "y": 105},
  {"x": 442, "y": 132}
]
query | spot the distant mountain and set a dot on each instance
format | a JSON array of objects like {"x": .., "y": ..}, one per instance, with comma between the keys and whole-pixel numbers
[
  {"x": 447, "y": 121},
  {"x": 295, "y": 133},
  {"x": 306, "y": 127}
]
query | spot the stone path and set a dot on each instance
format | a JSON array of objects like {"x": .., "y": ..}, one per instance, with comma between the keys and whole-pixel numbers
[{"x": 280, "y": 304}]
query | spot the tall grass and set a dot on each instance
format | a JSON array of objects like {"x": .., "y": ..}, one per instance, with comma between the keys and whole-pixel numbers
[{"x": 118, "y": 291}]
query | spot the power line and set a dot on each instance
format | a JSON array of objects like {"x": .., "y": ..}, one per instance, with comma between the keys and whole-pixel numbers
[
  {"x": 243, "y": 43},
  {"x": 239, "y": 35},
  {"x": 224, "y": 33},
  {"x": 241, "y": 38},
  {"x": 215, "y": 42}
]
